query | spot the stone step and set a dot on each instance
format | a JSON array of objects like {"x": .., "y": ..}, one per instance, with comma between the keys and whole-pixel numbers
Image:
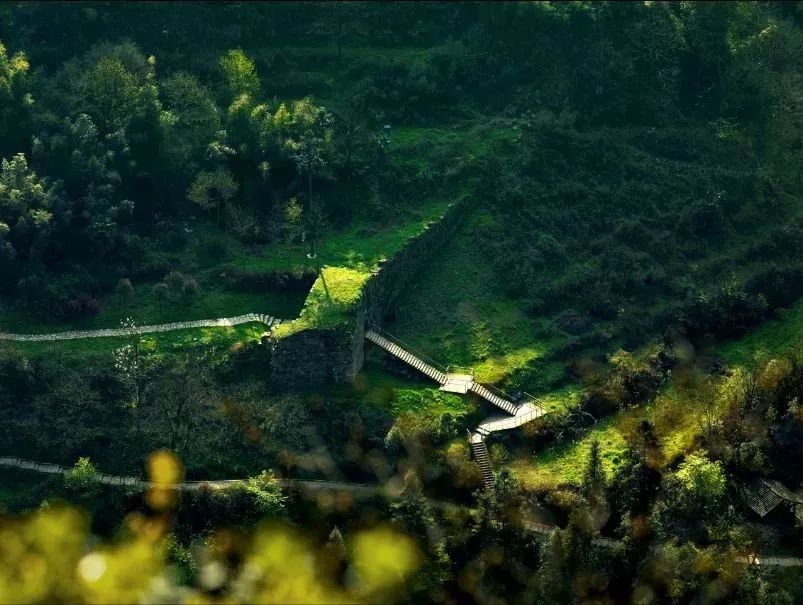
[
  {"x": 480, "y": 452},
  {"x": 405, "y": 356}
]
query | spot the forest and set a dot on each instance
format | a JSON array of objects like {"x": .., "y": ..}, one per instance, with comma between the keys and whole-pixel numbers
[{"x": 401, "y": 302}]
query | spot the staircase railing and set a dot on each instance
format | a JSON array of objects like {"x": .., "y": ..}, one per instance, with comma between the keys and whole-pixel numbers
[
  {"x": 408, "y": 347},
  {"x": 531, "y": 399},
  {"x": 498, "y": 392},
  {"x": 535, "y": 402},
  {"x": 512, "y": 422}
]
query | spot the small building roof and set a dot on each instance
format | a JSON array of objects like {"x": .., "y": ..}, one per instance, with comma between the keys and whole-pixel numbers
[
  {"x": 763, "y": 495},
  {"x": 760, "y": 497}
]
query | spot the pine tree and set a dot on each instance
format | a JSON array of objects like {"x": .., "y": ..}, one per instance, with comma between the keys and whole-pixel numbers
[
  {"x": 412, "y": 513},
  {"x": 594, "y": 475}
]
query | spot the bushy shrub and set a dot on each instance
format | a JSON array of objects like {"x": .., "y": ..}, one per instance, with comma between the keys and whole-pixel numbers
[
  {"x": 82, "y": 479},
  {"x": 254, "y": 281},
  {"x": 780, "y": 286},
  {"x": 82, "y": 305},
  {"x": 149, "y": 266},
  {"x": 692, "y": 502},
  {"x": 175, "y": 282},
  {"x": 214, "y": 248},
  {"x": 596, "y": 339},
  {"x": 171, "y": 235},
  {"x": 573, "y": 322},
  {"x": 29, "y": 289},
  {"x": 238, "y": 504},
  {"x": 705, "y": 218},
  {"x": 191, "y": 288},
  {"x": 730, "y": 311}
]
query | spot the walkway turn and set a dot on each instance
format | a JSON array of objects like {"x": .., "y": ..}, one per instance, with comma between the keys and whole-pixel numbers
[{"x": 520, "y": 413}]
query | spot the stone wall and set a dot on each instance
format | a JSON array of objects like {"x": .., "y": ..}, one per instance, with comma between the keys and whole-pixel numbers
[
  {"x": 317, "y": 355},
  {"x": 390, "y": 279}
]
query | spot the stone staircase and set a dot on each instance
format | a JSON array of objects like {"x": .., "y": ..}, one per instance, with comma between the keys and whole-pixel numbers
[
  {"x": 406, "y": 356},
  {"x": 493, "y": 398},
  {"x": 269, "y": 320},
  {"x": 439, "y": 376},
  {"x": 462, "y": 383},
  {"x": 480, "y": 452}
]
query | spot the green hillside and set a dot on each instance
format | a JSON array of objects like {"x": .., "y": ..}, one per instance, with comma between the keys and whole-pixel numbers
[{"x": 627, "y": 267}]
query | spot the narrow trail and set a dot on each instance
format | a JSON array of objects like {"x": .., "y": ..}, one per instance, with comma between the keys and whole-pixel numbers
[
  {"x": 138, "y": 483},
  {"x": 222, "y": 322},
  {"x": 362, "y": 489}
]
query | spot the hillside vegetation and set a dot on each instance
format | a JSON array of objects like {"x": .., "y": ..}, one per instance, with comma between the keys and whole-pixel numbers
[{"x": 630, "y": 253}]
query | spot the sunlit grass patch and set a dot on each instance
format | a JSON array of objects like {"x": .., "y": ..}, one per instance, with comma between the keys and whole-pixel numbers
[
  {"x": 495, "y": 367},
  {"x": 362, "y": 245},
  {"x": 430, "y": 401},
  {"x": 562, "y": 399},
  {"x": 771, "y": 338},
  {"x": 565, "y": 462},
  {"x": 677, "y": 415},
  {"x": 331, "y": 299},
  {"x": 401, "y": 395}
]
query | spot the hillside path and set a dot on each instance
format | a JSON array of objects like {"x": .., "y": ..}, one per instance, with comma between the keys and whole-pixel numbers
[
  {"x": 111, "y": 332},
  {"x": 365, "y": 489}
]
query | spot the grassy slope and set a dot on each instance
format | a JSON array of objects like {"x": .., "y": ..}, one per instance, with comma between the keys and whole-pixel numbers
[
  {"x": 456, "y": 312},
  {"x": 772, "y": 338},
  {"x": 564, "y": 463},
  {"x": 675, "y": 412}
]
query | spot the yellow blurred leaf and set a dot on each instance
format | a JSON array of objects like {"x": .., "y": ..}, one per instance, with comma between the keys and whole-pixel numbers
[{"x": 383, "y": 558}]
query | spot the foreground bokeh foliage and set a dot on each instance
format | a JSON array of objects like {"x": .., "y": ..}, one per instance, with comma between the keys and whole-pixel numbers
[
  {"x": 628, "y": 180},
  {"x": 51, "y": 554}
]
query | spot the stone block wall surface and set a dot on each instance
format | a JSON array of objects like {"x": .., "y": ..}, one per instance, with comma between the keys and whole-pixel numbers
[
  {"x": 390, "y": 279},
  {"x": 315, "y": 356}
]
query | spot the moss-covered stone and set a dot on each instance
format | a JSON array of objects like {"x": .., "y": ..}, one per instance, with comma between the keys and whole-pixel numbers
[
  {"x": 325, "y": 343},
  {"x": 332, "y": 301}
]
